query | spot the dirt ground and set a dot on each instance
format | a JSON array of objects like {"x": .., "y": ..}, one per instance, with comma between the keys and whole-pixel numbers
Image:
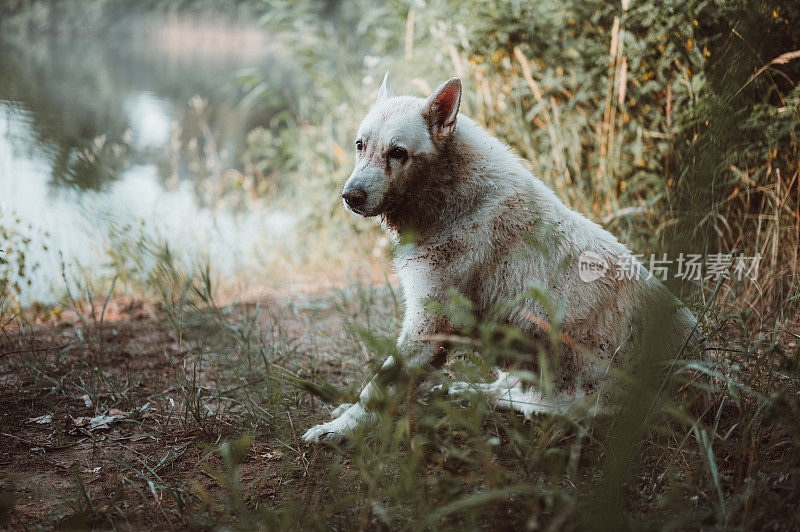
[{"x": 107, "y": 451}]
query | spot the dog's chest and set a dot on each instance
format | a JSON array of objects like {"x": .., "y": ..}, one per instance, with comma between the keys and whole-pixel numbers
[{"x": 431, "y": 271}]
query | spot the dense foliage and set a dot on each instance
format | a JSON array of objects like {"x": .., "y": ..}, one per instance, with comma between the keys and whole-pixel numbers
[{"x": 676, "y": 122}]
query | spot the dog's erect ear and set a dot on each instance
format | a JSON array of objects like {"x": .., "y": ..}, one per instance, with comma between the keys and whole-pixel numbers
[
  {"x": 441, "y": 109},
  {"x": 385, "y": 91}
]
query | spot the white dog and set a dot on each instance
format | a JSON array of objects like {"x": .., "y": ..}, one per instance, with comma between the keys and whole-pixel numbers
[{"x": 487, "y": 227}]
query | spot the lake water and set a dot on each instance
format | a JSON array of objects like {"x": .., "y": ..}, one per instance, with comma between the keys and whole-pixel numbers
[{"x": 93, "y": 135}]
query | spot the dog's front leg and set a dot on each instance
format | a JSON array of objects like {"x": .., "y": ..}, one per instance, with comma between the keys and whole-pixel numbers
[
  {"x": 353, "y": 416},
  {"x": 417, "y": 353}
]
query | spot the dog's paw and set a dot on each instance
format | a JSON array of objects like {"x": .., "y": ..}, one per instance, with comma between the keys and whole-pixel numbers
[
  {"x": 338, "y": 429},
  {"x": 324, "y": 432}
]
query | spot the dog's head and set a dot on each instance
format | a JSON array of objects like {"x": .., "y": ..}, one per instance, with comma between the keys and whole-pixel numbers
[{"x": 396, "y": 140}]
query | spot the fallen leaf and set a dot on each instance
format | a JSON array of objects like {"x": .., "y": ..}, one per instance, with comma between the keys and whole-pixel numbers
[
  {"x": 87, "y": 400},
  {"x": 41, "y": 420},
  {"x": 274, "y": 454},
  {"x": 100, "y": 422}
]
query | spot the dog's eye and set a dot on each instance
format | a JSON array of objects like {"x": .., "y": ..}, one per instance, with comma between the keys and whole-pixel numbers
[
  {"x": 359, "y": 145},
  {"x": 397, "y": 153}
]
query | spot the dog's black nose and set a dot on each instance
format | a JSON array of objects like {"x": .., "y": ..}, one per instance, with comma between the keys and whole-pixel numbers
[{"x": 355, "y": 197}]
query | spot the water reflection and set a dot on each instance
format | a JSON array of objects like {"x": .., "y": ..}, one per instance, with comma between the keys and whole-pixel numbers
[
  {"x": 86, "y": 126},
  {"x": 148, "y": 117}
]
